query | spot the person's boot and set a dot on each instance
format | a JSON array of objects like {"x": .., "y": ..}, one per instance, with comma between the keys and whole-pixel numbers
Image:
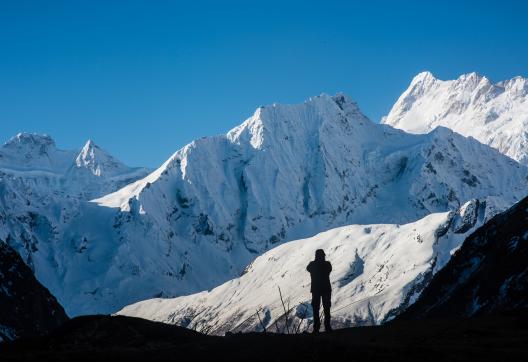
[
  {"x": 327, "y": 318},
  {"x": 316, "y": 328},
  {"x": 316, "y": 321},
  {"x": 328, "y": 327}
]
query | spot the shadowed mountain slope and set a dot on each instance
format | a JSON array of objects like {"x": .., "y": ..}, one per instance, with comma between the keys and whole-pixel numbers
[{"x": 26, "y": 307}]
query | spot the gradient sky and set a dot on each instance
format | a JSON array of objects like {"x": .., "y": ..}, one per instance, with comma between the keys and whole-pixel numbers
[{"x": 143, "y": 78}]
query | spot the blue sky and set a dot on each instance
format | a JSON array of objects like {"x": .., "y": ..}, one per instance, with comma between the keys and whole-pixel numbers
[{"x": 143, "y": 78}]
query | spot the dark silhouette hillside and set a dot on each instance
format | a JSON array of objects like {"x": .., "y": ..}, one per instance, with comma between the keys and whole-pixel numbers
[
  {"x": 27, "y": 308},
  {"x": 488, "y": 274},
  {"x": 104, "y": 338}
]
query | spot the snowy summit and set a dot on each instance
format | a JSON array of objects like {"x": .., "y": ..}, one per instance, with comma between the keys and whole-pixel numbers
[{"x": 495, "y": 114}]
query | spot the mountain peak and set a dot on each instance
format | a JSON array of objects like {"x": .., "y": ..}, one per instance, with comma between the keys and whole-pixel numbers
[
  {"x": 26, "y": 138},
  {"x": 344, "y": 101},
  {"x": 425, "y": 76},
  {"x": 32, "y": 151},
  {"x": 98, "y": 161},
  {"x": 471, "y": 80},
  {"x": 90, "y": 144},
  {"x": 471, "y": 76},
  {"x": 517, "y": 86},
  {"x": 420, "y": 84},
  {"x": 278, "y": 121},
  {"x": 471, "y": 105}
]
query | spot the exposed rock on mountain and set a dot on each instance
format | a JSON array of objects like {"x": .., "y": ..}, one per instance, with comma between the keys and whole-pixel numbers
[{"x": 488, "y": 274}]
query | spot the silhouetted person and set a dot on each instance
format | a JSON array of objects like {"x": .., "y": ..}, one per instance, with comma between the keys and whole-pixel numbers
[{"x": 320, "y": 273}]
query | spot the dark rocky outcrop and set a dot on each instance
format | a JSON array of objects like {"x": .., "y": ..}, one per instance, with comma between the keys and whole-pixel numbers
[
  {"x": 488, "y": 274},
  {"x": 26, "y": 307}
]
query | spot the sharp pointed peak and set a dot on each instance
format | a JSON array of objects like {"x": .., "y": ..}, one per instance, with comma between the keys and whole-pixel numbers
[
  {"x": 90, "y": 144},
  {"x": 471, "y": 77},
  {"x": 341, "y": 97},
  {"x": 517, "y": 84},
  {"x": 91, "y": 150},
  {"x": 424, "y": 76}
]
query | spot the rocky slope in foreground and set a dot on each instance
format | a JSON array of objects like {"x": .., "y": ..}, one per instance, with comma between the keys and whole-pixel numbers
[
  {"x": 491, "y": 338},
  {"x": 488, "y": 274},
  {"x": 26, "y": 307}
]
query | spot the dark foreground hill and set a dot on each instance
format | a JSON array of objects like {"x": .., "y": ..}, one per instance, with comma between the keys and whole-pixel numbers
[
  {"x": 104, "y": 338},
  {"x": 488, "y": 274},
  {"x": 27, "y": 308}
]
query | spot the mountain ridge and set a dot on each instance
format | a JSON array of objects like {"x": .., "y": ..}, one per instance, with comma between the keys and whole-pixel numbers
[
  {"x": 288, "y": 172},
  {"x": 493, "y": 113}
]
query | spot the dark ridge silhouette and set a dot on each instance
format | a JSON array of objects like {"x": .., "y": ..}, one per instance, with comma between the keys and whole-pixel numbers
[
  {"x": 488, "y": 274},
  {"x": 27, "y": 308},
  {"x": 104, "y": 338}
]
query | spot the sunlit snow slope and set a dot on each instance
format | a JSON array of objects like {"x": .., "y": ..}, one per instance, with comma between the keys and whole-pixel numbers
[
  {"x": 288, "y": 172},
  {"x": 378, "y": 270}
]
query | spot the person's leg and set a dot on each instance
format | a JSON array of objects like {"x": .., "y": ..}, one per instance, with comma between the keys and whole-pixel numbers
[
  {"x": 327, "y": 302},
  {"x": 316, "y": 303}
]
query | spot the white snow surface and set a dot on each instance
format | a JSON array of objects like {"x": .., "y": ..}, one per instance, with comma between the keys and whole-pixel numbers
[
  {"x": 288, "y": 172},
  {"x": 377, "y": 271},
  {"x": 91, "y": 172},
  {"x": 494, "y": 114}
]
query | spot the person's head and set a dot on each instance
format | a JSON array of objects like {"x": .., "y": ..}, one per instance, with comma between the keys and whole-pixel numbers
[{"x": 319, "y": 254}]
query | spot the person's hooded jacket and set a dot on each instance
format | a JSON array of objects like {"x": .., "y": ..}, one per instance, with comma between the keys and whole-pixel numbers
[{"x": 319, "y": 270}]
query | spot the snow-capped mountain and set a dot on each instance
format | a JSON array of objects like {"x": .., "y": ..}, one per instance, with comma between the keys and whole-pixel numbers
[
  {"x": 378, "y": 270},
  {"x": 494, "y": 114},
  {"x": 488, "y": 274},
  {"x": 99, "y": 162},
  {"x": 33, "y": 152},
  {"x": 85, "y": 174},
  {"x": 288, "y": 172},
  {"x": 42, "y": 187}
]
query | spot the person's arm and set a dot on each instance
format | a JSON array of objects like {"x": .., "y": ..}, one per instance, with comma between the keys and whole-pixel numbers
[
  {"x": 329, "y": 267},
  {"x": 309, "y": 267}
]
